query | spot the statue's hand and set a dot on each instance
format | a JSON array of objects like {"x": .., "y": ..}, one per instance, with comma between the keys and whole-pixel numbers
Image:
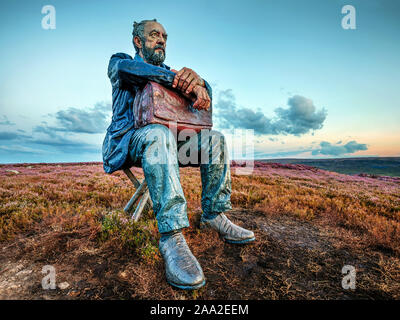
[
  {"x": 190, "y": 96},
  {"x": 186, "y": 80},
  {"x": 203, "y": 100}
]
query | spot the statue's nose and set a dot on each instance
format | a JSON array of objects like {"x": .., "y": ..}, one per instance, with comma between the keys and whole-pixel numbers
[{"x": 161, "y": 41}]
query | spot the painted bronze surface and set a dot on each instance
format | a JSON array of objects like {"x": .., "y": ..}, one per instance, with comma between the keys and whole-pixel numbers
[
  {"x": 228, "y": 231},
  {"x": 142, "y": 93},
  {"x": 127, "y": 77},
  {"x": 155, "y": 149},
  {"x": 182, "y": 269},
  {"x": 157, "y": 104}
]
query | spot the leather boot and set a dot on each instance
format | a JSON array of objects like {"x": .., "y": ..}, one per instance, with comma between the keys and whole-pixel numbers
[
  {"x": 229, "y": 231},
  {"x": 182, "y": 268}
]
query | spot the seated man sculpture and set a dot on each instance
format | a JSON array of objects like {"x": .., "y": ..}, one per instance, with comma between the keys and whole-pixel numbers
[{"x": 155, "y": 149}]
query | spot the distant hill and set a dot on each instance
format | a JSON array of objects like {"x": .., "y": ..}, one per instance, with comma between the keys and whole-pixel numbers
[{"x": 387, "y": 166}]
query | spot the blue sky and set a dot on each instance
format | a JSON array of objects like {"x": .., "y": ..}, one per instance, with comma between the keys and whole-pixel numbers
[{"x": 271, "y": 64}]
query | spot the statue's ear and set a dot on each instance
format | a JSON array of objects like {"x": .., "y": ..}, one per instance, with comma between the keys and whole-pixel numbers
[{"x": 138, "y": 42}]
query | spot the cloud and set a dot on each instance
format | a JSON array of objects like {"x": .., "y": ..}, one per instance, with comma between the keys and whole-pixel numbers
[
  {"x": 51, "y": 138},
  {"x": 63, "y": 137},
  {"x": 47, "y": 138},
  {"x": 22, "y": 149},
  {"x": 67, "y": 145},
  {"x": 326, "y": 148},
  {"x": 73, "y": 121},
  {"x": 279, "y": 154},
  {"x": 230, "y": 116},
  {"x": 91, "y": 121},
  {"x": 300, "y": 118},
  {"x": 5, "y": 122},
  {"x": 6, "y": 135}
]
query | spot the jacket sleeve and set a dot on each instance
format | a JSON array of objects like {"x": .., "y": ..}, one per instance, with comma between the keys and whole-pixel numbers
[{"x": 124, "y": 71}]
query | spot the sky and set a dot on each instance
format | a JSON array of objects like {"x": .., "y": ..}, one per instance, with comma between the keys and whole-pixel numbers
[{"x": 287, "y": 71}]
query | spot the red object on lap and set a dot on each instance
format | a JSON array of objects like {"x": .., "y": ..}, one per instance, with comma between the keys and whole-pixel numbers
[{"x": 157, "y": 104}]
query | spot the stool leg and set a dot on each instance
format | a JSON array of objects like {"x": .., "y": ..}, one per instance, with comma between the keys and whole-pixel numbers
[
  {"x": 140, "y": 206},
  {"x": 147, "y": 204},
  {"x": 131, "y": 177},
  {"x": 142, "y": 189}
]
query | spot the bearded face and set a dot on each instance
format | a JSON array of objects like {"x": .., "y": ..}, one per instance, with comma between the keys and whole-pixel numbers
[
  {"x": 153, "y": 43},
  {"x": 154, "y": 55}
]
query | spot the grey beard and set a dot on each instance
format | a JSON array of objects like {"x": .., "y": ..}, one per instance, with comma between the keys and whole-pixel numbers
[{"x": 155, "y": 58}]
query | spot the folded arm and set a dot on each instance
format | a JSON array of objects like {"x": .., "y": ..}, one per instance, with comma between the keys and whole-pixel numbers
[
  {"x": 125, "y": 71},
  {"x": 189, "y": 83}
]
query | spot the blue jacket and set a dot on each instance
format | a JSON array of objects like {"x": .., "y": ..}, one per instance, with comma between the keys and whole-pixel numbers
[{"x": 127, "y": 75}]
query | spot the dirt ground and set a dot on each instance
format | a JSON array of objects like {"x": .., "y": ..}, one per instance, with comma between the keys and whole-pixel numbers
[{"x": 290, "y": 259}]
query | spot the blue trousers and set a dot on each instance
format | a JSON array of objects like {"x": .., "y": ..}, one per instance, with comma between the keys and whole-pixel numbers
[{"x": 158, "y": 152}]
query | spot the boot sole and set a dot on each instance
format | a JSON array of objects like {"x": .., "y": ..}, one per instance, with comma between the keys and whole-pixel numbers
[
  {"x": 197, "y": 286},
  {"x": 240, "y": 241}
]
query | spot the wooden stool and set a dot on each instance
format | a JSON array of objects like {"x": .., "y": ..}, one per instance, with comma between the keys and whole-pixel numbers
[{"x": 142, "y": 194}]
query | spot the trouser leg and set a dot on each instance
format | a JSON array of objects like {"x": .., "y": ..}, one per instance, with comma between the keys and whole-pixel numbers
[
  {"x": 154, "y": 148},
  {"x": 212, "y": 157},
  {"x": 215, "y": 174}
]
